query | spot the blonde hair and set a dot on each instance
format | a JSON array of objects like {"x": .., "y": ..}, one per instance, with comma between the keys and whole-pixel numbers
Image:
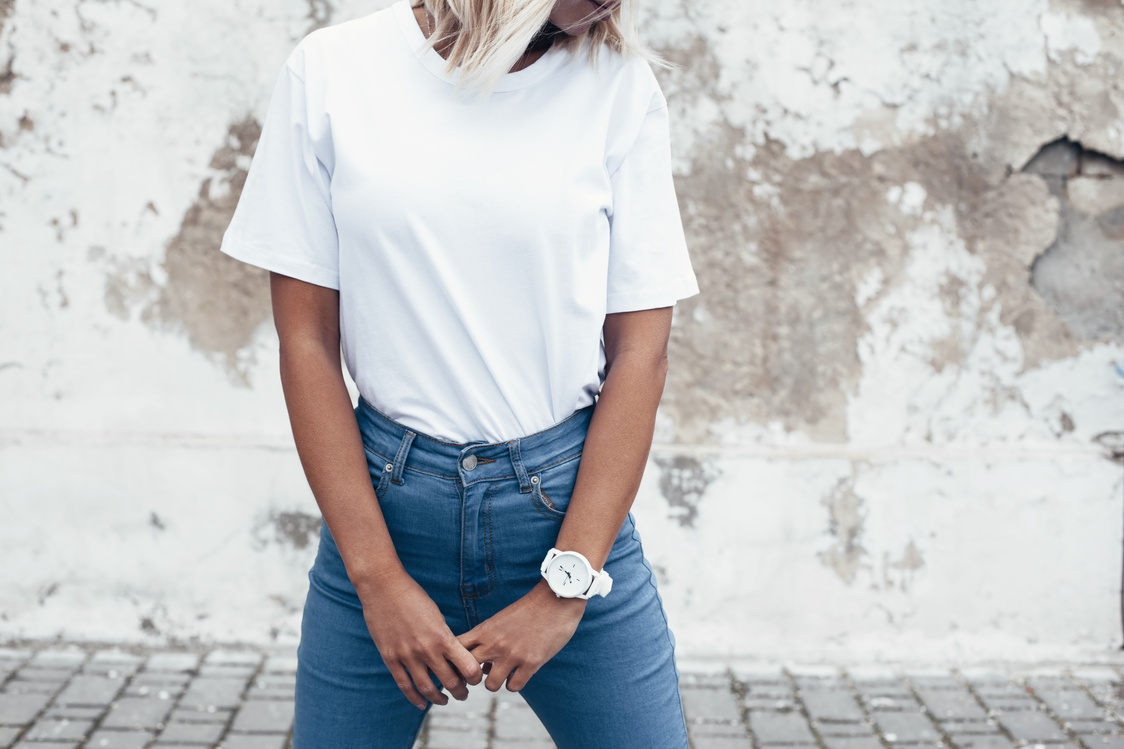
[{"x": 486, "y": 38}]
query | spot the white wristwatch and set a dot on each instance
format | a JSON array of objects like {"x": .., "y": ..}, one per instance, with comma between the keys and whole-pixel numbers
[{"x": 570, "y": 575}]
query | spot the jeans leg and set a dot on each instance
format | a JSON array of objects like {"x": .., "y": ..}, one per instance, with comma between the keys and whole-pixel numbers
[
  {"x": 346, "y": 698},
  {"x": 615, "y": 684}
]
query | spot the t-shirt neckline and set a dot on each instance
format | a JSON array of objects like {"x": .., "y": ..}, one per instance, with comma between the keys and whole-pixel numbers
[{"x": 436, "y": 64}]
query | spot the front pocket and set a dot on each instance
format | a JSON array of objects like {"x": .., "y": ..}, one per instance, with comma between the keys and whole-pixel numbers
[
  {"x": 552, "y": 487},
  {"x": 380, "y": 470}
]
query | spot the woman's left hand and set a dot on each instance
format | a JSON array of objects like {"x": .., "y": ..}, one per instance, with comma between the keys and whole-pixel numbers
[{"x": 518, "y": 640}]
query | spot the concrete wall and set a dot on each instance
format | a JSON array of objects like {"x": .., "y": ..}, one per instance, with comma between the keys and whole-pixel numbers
[{"x": 890, "y": 414}]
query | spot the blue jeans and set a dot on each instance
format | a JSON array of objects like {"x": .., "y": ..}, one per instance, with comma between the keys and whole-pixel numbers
[{"x": 473, "y": 533}]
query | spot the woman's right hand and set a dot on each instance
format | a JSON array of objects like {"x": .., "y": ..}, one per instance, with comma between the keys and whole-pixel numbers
[{"x": 414, "y": 641}]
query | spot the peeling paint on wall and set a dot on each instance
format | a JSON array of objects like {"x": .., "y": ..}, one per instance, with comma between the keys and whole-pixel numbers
[
  {"x": 294, "y": 530},
  {"x": 218, "y": 302},
  {"x": 1081, "y": 275},
  {"x": 845, "y": 524},
  {"x": 683, "y": 483}
]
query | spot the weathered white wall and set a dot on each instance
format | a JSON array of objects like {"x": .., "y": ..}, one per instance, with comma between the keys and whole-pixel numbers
[{"x": 886, "y": 428}]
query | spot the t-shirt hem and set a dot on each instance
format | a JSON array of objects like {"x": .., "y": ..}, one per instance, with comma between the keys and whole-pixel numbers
[
  {"x": 248, "y": 253},
  {"x": 665, "y": 296}
]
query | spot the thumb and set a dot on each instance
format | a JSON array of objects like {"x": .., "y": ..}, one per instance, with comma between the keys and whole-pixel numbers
[{"x": 465, "y": 663}]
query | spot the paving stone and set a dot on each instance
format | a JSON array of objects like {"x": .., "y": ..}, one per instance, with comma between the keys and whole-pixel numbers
[
  {"x": 707, "y": 705},
  {"x": 995, "y": 741},
  {"x": 951, "y": 704},
  {"x": 205, "y": 692},
  {"x": 157, "y": 691},
  {"x": 1011, "y": 704},
  {"x": 45, "y": 688},
  {"x": 90, "y": 690},
  {"x": 280, "y": 664},
  {"x": 118, "y": 740},
  {"x": 8, "y": 735},
  {"x": 1070, "y": 704},
  {"x": 264, "y": 716},
  {"x": 274, "y": 686},
  {"x": 103, "y": 659},
  {"x": 59, "y": 729},
  {"x": 906, "y": 702},
  {"x": 518, "y": 722},
  {"x": 998, "y": 688},
  {"x": 233, "y": 657},
  {"x": 227, "y": 672},
  {"x": 17, "y": 709},
  {"x": 1103, "y": 742},
  {"x": 196, "y": 733},
  {"x": 254, "y": 741},
  {"x": 883, "y": 688},
  {"x": 970, "y": 726},
  {"x": 1094, "y": 726},
  {"x": 717, "y": 729},
  {"x": 447, "y": 738},
  {"x": 845, "y": 729},
  {"x": 521, "y": 744},
  {"x": 1096, "y": 674},
  {"x": 46, "y": 745},
  {"x": 906, "y": 727},
  {"x": 33, "y": 673},
  {"x": 852, "y": 742},
  {"x": 74, "y": 713},
  {"x": 770, "y": 703},
  {"x": 209, "y": 714},
  {"x": 721, "y": 742},
  {"x": 172, "y": 662},
  {"x": 780, "y": 728},
  {"x": 833, "y": 704},
  {"x": 59, "y": 659},
  {"x": 137, "y": 712},
  {"x": 806, "y": 683},
  {"x": 709, "y": 681},
  {"x": 1032, "y": 726}
]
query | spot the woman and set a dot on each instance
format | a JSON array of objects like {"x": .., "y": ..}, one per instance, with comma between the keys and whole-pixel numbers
[{"x": 475, "y": 198}]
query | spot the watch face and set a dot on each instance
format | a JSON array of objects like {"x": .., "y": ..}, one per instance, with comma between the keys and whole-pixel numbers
[{"x": 568, "y": 575}]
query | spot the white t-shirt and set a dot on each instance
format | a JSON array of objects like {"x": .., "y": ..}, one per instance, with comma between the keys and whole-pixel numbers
[{"x": 477, "y": 244}]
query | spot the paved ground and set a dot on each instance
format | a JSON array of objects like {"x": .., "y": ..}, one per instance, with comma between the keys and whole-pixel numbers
[{"x": 54, "y": 697}]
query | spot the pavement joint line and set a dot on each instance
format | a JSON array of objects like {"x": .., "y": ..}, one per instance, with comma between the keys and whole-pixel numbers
[
  {"x": 1045, "y": 707},
  {"x": 802, "y": 708},
  {"x": 864, "y": 705}
]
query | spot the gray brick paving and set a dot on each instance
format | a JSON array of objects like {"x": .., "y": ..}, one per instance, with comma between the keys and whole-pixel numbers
[
  {"x": 780, "y": 728},
  {"x": 710, "y": 705},
  {"x": 906, "y": 727},
  {"x": 951, "y": 704},
  {"x": 1032, "y": 726},
  {"x": 113, "y": 697},
  {"x": 837, "y": 704}
]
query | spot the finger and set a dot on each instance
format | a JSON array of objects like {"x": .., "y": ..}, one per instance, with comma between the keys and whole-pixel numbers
[
  {"x": 451, "y": 680},
  {"x": 497, "y": 676},
  {"x": 520, "y": 677},
  {"x": 406, "y": 685},
  {"x": 424, "y": 683},
  {"x": 465, "y": 663},
  {"x": 469, "y": 639}
]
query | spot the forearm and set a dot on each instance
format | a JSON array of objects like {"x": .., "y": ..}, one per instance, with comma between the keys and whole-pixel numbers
[
  {"x": 331, "y": 451},
  {"x": 615, "y": 453}
]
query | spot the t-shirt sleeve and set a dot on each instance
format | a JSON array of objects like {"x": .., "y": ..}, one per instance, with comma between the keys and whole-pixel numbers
[
  {"x": 284, "y": 221},
  {"x": 649, "y": 266}
]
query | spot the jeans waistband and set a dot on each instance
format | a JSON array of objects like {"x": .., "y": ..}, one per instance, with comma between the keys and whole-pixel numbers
[{"x": 471, "y": 462}]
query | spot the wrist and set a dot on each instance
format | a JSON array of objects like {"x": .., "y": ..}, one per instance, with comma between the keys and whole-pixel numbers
[
  {"x": 543, "y": 596},
  {"x": 381, "y": 580}
]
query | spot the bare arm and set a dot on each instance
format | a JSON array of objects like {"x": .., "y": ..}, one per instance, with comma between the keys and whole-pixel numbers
[
  {"x": 410, "y": 632},
  {"x": 518, "y": 640}
]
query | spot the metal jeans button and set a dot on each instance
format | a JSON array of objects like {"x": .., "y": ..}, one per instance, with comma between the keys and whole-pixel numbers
[{"x": 469, "y": 462}]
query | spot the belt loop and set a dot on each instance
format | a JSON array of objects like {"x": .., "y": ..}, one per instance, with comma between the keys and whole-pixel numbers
[
  {"x": 400, "y": 458},
  {"x": 517, "y": 461}
]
